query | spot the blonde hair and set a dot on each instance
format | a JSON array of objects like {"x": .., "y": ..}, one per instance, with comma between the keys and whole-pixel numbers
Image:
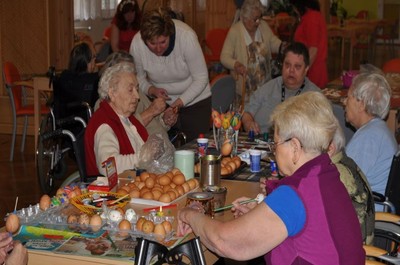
[{"x": 307, "y": 117}]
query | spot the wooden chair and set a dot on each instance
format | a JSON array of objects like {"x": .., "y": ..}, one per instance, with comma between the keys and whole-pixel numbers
[
  {"x": 386, "y": 32},
  {"x": 17, "y": 93}
]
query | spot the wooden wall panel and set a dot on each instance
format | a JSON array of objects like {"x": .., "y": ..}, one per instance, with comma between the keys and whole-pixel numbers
[{"x": 33, "y": 35}]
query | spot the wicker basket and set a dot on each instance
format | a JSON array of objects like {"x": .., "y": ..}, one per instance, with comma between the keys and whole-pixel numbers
[{"x": 90, "y": 209}]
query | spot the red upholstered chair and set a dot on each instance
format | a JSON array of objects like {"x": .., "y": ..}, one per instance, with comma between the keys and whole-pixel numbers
[
  {"x": 392, "y": 66},
  {"x": 17, "y": 93},
  {"x": 214, "y": 42}
]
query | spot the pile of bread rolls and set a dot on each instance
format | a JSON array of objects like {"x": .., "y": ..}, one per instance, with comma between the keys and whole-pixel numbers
[{"x": 160, "y": 187}]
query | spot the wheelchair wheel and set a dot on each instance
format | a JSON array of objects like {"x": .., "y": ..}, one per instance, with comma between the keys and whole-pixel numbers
[{"x": 50, "y": 162}]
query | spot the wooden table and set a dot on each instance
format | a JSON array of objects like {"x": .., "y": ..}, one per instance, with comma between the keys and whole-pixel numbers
[
  {"x": 40, "y": 84},
  {"x": 235, "y": 190},
  {"x": 352, "y": 32}
]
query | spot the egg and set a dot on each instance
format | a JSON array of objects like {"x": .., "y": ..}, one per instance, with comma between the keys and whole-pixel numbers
[
  {"x": 165, "y": 198},
  {"x": 144, "y": 175},
  {"x": 124, "y": 226},
  {"x": 134, "y": 194},
  {"x": 232, "y": 165},
  {"x": 12, "y": 223},
  {"x": 115, "y": 216},
  {"x": 44, "y": 202},
  {"x": 156, "y": 194},
  {"x": 237, "y": 161},
  {"x": 224, "y": 171},
  {"x": 130, "y": 215},
  {"x": 167, "y": 226},
  {"x": 192, "y": 184},
  {"x": 149, "y": 183},
  {"x": 159, "y": 232},
  {"x": 72, "y": 219},
  {"x": 164, "y": 180},
  {"x": 148, "y": 227},
  {"x": 178, "y": 179},
  {"x": 226, "y": 148},
  {"x": 84, "y": 219},
  {"x": 95, "y": 222},
  {"x": 148, "y": 195},
  {"x": 186, "y": 187},
  {"x": 139, "y": 223}
]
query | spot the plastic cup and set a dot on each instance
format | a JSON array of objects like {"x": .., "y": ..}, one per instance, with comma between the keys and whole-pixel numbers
[
  {"x": 255, "y": 160},
  {"x": 202, "y": 145},
  {"x": 184, "y": 161}
]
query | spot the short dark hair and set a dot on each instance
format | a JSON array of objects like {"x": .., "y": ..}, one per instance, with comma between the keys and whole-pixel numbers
[
  {"x": 300, "y": 49},
  {"x": 155, "y": 23},
  {"x": 80, "y": 57}
]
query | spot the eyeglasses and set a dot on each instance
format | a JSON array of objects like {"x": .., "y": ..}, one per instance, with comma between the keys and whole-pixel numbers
[{"x": 274, "y": 145}]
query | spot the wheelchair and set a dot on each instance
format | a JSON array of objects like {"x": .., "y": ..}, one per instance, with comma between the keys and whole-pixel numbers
[{"x": 61, "y": 133}]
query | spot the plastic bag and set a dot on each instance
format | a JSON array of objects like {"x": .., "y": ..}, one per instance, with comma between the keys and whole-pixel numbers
[{"x": 157, "y": 154}]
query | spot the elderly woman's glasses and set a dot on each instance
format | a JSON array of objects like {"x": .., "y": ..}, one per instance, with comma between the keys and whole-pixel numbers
[{"x": 274, "y": 145}]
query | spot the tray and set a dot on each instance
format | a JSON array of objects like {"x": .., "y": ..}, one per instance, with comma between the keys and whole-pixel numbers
[{"x": 158, "y": 203}]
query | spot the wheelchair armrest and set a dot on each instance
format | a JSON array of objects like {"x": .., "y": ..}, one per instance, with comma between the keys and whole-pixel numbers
[
  {"x": 378, "y": 197},
  {"x": 71, "y": 120},
  {"x": 81, "y": 106}
]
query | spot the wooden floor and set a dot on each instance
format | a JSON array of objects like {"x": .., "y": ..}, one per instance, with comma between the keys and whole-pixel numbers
[{"x": 18, "y": 178}]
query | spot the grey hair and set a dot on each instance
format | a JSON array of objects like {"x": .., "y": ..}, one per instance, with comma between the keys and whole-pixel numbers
[
  {"x": 307, "y": 117},
  {"x": 248, "y": 7},
  {"x": 110, "y": 78},
  {"x": 338, "y": 139},
  {"x": 374, "y": 92},
  {"x": 114, "y": 58}
]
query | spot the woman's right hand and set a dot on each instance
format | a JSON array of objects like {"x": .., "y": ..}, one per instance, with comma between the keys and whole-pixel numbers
[
  {"x": 239, "y": 68},
  {"x": 158, "y": 93},
  {"x": 241, "y": 209}
]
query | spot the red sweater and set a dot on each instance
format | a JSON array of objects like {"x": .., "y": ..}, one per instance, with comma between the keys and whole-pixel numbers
[{"x": 106, "y": 115}]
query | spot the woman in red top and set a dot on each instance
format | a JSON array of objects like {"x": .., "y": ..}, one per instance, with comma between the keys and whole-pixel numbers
[
  {"x": 312, "y": 32},
  {"x": 125, "y": 24}
]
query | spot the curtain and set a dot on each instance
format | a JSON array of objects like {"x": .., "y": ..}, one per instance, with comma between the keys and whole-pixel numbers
[{"x": 92, "y": 9}]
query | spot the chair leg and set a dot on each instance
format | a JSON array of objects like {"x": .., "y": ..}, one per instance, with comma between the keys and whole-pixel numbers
[
  {"x": 24, "y": 134},
  {"x": 14, "y": 132}
]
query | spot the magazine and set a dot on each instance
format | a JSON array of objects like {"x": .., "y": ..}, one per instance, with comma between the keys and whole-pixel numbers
[{"x": 114, "y": 247}]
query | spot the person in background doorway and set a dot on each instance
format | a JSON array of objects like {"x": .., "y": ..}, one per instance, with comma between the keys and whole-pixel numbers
[
  {"x": 311, "y": 31},
  {"x": 125, "y": 24}
]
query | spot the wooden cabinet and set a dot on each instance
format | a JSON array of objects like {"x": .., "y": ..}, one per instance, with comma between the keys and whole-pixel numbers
[{"x": 34, "y": 35}]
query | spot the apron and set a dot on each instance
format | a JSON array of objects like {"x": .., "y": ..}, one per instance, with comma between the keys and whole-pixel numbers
[{"x": 258, "y": 67}]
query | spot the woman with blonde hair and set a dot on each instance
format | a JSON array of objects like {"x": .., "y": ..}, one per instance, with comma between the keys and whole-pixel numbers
[{"x": 308, "y": 218}]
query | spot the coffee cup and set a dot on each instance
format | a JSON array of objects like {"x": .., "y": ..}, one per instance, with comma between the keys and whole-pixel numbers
[{"x": 184, "y": 161}]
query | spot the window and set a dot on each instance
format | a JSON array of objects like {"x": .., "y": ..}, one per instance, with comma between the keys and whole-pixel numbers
[{"x": 91, "y": 9}]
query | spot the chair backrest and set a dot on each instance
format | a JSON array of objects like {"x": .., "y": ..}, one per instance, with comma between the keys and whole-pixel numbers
[
  {"x": 392, "y": 66},
  {"x": 393, "y": 184},
  {"x": 10, "y": 76},
  {"x": 362, "y": 14},
  {"x": 215, "y": 39},
  {"x": 223, "y": 91}
]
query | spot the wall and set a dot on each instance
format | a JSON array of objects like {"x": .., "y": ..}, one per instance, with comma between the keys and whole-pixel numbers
[
  {"x": 353, "y": 6},
  {"x": 33, "y": 35}
]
